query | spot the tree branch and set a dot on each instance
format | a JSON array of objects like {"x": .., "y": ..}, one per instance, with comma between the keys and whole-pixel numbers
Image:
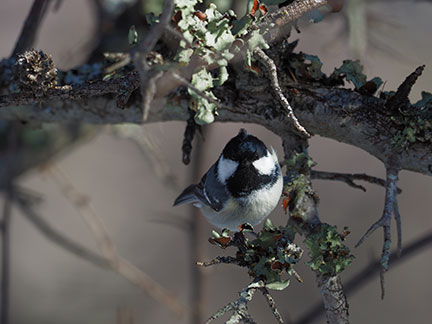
[
  {"x": 368, "y": 273},
  {"x": 239, "y": 306},
  {"x": 272, "y": 304},
  {"x": 304, "y": 216},
  {"x": 56, "y": 237},
  {"x": 274, "y": 81},
  {"x": 385, "y": 223},
  {"x": 219, "y": 260},
  {"x": 363, "y": 122},
  {"x": 149, "y": 78},
  {"x": 349, "y": 178},
  {"x": 5, "y": 258},
  {"x": 31, "y": 26},
  {"x": 115, "y": 261}
]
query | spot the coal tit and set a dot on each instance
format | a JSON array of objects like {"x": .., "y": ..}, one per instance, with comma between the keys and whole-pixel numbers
[{"x": 243, "y": 186}]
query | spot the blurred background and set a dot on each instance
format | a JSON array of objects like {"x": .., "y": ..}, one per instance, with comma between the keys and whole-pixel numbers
[{"x": 132, "y": 184}]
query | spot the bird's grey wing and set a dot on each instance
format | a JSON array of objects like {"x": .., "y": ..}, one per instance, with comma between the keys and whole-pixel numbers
[{"x": 210, "y": 191}]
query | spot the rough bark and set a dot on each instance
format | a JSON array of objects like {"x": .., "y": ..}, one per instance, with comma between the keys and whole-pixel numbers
[{"x": 340, "y": 114}]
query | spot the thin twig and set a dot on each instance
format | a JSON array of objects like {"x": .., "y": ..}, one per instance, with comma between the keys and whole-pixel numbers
[
  {"x": 398, "y": 220},
  {"x": 291, "y": 12},
  {"x": 58, "y": 238},
  {"x": 385, "y": 223},
  {"x": 239, "y": 306},
  {"x": 368, "y": 273},
  {"x": 272, "y": 304},
  {"x": 139, "y": 57},
  {"x": 193, "y": 88},
  {"x": 219, "y": 260},
  {"x": 197, "y": 289},
  {"x": 11, "y": 161},
  {"x": 150, "y": 91},
  {"x": 108, "y": 250},
  {"x": 349, "y": 178},
  {"x": 5, "y": 260},
  {"x": 138, "y": 135},
  {"x": 272, "y": 73},
  {"x": 31, "y": 26}
]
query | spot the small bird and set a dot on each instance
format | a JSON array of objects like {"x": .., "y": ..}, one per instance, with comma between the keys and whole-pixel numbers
[{"x": 243, "y": 186}]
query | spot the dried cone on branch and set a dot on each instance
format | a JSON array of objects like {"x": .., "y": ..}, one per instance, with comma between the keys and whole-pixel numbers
[{"x": 35, "y": 72}]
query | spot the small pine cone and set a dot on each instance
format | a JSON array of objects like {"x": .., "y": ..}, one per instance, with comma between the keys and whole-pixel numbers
[{"x": 35, "y": 72}]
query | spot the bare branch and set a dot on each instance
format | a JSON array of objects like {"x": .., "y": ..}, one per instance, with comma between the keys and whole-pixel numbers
[
  {"x": 139, "y": 57},
  {"x": 5, "y": 258},
  {"x": 58, "y": 238},
  {"x": 272, "y": 304},
  {"x": 219, "y": 260},
  {"x": 31, "y": 26},
  {"x": 107, "y": 248},
  {"x": 11, "y": 160},
  {"x": 385, "y": 223},
  {"x": 196, "y": 247},
  {"x": 272, "y": 73},
  {"x": 151, "y": 151},
  {"x": 398, "y": 220},
  {"x": 349, "y": 178},
  {"x": 292, "y": 12},
  {"x": 239, "y": 306}
]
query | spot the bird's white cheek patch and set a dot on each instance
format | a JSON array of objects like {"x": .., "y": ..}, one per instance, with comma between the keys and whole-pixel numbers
[
  {"x": 226, "y": 169},
  {"x": 265, "y": 165}
]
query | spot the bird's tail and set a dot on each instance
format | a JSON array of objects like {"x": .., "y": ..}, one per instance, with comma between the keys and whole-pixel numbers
[{"x": 187, "y": 196}]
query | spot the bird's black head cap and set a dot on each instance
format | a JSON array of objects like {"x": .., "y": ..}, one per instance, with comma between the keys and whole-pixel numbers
[{"x": 244, "y": 147}]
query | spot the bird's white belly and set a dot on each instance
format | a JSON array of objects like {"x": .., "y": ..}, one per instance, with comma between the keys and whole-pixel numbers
[{"x": 239, "y": 211}]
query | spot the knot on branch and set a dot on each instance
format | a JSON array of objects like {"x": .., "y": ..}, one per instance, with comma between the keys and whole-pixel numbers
[{"x": 35, "y": 72}]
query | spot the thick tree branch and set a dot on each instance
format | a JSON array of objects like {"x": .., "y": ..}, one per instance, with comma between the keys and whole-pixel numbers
[
  {"x": 362, "y": 122},
  {"x": 341, "y": 114},
  {"x": 304, "y": 216}
]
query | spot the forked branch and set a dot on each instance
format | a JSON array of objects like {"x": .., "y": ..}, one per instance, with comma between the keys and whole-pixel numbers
[
  {"x": 385, "y": 222},
  {"x": 240, "y": 309}
]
